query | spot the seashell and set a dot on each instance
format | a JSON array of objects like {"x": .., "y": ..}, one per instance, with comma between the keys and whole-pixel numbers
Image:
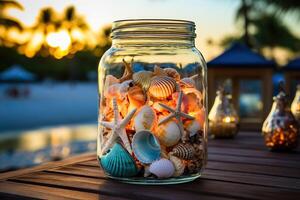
[
  {"x": 145, "y": 119},
  {"x": 159, "y": 71},
  {"x": 145, "y": 147},
  {"x": 172, "y": 73},
  {"x": 136, "y": 96},
  {"x": 194, "y": 91},
  {"x": 184, "y": 151},
  {"x": 162, "y": 168},
  {"x": 109, "y": 80},
  {"x": 143, "y": 79},
  {"x": 188, "y": 82},
  {"x": 179, "y": 166},
  {"x": 162, "y": 87},
  {"x": 193, "y": 126},
  {"x": 168, "y": 133},
  {"x": 118, "y": 162}
]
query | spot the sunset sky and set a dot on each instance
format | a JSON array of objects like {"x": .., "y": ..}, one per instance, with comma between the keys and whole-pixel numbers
[{"x": 213, "y": 18}]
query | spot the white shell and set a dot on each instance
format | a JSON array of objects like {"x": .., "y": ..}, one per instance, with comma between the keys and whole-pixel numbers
[
  {"x": 168, "y": 133},
  {"x": 178, "y": 164},
  {"x": 193, "y": 127},
  {"x": 188, "y": 82},
  {"x": 145, "y": 119},
  {"x": 162, "y": 168},
  {"x": 162, "y": 87}
]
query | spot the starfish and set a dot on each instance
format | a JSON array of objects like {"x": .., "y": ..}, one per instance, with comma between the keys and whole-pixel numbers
[
  {"x": 118, "y": 128},
  {"x": 177, "y": 114},
  {"x": 127, "y": 72}
]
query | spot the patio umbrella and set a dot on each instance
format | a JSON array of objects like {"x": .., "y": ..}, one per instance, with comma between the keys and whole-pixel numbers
[{"x": 16, "y": 73}]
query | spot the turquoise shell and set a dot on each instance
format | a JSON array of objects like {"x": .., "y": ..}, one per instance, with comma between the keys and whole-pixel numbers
[
  {"x": 118, "y": 162},
  {"x": 146, "y": 147}
]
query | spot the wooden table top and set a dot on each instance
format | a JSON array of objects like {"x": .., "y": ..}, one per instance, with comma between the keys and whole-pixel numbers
[{"x": 237, "y": 169}]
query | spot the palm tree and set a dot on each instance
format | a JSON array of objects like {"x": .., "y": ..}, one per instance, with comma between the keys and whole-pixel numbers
[
  {"x": 271, "y": 32},
  {"x": 5, "y": 20},
  {"x": 285, "y": 6}
]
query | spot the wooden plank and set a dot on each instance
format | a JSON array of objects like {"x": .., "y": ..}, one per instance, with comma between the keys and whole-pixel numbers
[
  {"x": 256, "y": 161},
  {"x": 255, "y": 153},
  {"x": 200, "y": 188},
  {"x": 238, "y": 177},
  {"x": 49, "y": 165},
  {"x": 44, "y": 192},
  {"x": 262, "y": 180},
  {"x": 109, "y": 187},
  {"x": 231, "y": 166}
]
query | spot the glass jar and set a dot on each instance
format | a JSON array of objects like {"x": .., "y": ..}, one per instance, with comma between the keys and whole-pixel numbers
[
  {"x": 223, "y": 118},
  {"x": 295, "y": 107},
  {"x": 152, "y": 103},
  {"x": 280, "y": 128}
]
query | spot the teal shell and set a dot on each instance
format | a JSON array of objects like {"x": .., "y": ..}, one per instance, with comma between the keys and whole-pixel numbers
[{"x": 118, "y": 162}]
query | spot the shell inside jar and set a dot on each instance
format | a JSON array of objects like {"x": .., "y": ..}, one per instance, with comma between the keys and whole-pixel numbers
[{"x": 154, "y": 118}]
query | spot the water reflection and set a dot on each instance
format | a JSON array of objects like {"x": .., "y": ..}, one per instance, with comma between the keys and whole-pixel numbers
[{"x": 27, "y": 148}]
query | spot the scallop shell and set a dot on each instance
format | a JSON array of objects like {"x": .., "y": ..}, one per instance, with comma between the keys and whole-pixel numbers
[
  {"x": 168, "y": 133},
  {"x": 143, "y": 79},
  {"x": 184, "y": 151},
  {"x": 172, "y": 73},
  {"x": 193, "y": 126},
  {"x": 136, "y": 96},
  {"x": 118, "y": 162},
  {"x": 162, "y": 168},
  {"x": 145, "y": 147},
  {"x": 145, "y": 119},
  {"x": 162, "y": 87},
  {"x": 179, "y": 166}
]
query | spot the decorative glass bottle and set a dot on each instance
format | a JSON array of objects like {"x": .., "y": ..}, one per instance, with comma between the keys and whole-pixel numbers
[
  {"x": 152, "y": 103},
  {"x": 295, "y": 107},
  {"x": 280, "y": 128},
  {"x": 223, "y": 119}
]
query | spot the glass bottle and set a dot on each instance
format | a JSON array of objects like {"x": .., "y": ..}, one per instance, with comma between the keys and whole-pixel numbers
[
  {"x": 152, "y": 103},
  {"x": 280, "y": 128},
  {"x": 295, "y": 107},
  {"x": 223, "y": 118}
]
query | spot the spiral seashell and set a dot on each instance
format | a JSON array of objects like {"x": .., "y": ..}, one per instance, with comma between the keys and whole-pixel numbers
[
  {"x": 168, "y": 133},
  {"x": 145, "y": 119},
  {"x": 184, "y": 151},
  {"x": 172, "y": 73},
  {"x": 179, "y": 166},
  {"x": 136, "y": 97},
  {"x": 118, "y": 162},
  {"x": 162, "y": 87},
  {"x": 143, "y": 79},
  {"x": 162, "y": 168}
]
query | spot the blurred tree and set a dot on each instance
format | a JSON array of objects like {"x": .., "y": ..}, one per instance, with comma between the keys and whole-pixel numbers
[
  {"x": 285, "y": 6},
  {"x": 8, "y": 21},
  {"x": 271, "y": 32},
  {"x": 243, "y": 13}
]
